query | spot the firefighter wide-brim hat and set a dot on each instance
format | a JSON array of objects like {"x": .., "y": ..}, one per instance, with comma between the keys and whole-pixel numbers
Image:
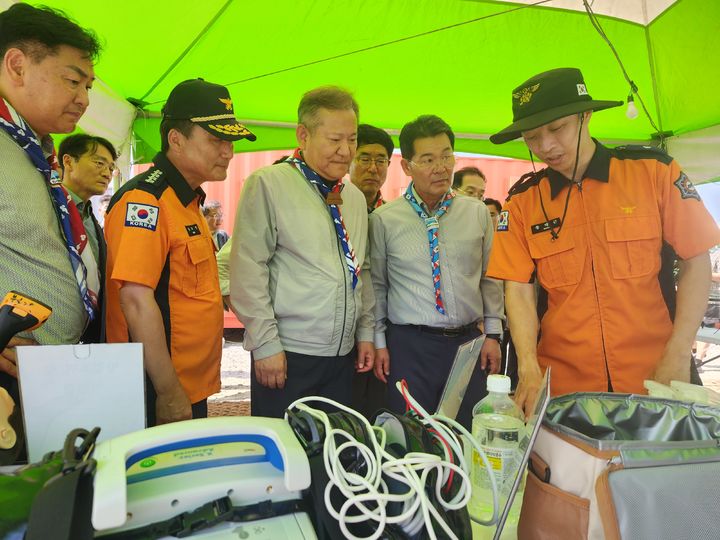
[{"x": 546, "y": 97}]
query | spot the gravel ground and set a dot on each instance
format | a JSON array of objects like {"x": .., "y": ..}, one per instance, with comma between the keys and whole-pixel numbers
[
  {"x": 710, "y": 372},
  {"x": 234, "y": 396}
]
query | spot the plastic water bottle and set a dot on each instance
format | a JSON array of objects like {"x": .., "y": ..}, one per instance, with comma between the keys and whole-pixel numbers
[{"x": 499, "y": 426}]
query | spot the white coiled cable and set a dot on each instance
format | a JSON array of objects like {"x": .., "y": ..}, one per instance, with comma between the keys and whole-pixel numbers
[{"x": 367, "y": 495}]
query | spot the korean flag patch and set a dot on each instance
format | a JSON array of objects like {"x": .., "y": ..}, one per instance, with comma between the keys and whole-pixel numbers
[
  {"x": 503, "y": 221},
  {"x": 140, "y": 215}
]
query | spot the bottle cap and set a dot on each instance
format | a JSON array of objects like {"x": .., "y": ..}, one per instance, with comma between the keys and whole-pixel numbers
[{"x": 498, "y": 383}]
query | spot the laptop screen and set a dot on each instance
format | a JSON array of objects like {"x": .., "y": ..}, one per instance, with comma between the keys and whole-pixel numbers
[
  {"x": 459, "y": 377},
  {"x": 526, "y": 444}
]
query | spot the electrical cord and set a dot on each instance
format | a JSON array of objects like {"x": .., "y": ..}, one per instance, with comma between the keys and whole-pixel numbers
[
  {"x": 435, "y": 421},
  {"x": 633, "y": 87},
  {"x": 367, "y": 495}
]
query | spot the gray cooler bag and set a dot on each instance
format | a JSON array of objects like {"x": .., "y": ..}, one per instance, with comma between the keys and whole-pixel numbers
[{"x": 620, "y": 466}]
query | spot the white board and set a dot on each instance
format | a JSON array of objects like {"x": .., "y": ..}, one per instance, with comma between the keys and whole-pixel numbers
[{"x": 63, "y": 387}]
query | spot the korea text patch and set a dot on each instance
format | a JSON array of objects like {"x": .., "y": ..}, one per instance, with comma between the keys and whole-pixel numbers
[
  {"x": 503, "y": 221},
  {"x": 141, "y": 215}
]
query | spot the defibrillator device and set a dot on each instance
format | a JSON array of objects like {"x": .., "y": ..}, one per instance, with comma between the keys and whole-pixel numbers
[{"x": 212, "y": 478}]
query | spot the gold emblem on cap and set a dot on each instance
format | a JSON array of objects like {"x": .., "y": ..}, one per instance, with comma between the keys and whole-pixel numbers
[
  {"x": 227, "y": 103},
  {"x": 230, "y": 129},
  {"x": 526, "y": 94}
]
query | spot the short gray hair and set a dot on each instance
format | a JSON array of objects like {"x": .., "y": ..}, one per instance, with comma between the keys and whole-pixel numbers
[
  {"x": 211, "y": 205},
  {"x": 332, "y": 98}
]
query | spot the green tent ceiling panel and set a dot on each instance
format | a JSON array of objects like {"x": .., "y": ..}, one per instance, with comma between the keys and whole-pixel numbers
[{"x": 459, "y": 59}]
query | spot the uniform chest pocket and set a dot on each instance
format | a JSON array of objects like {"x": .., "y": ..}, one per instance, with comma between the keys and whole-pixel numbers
[
  {"x": 465, "y": 256},
  {"x": 557, "y": 261},
  {"x": 199, "y": 275},
  {"x": 633, "y": 246}
]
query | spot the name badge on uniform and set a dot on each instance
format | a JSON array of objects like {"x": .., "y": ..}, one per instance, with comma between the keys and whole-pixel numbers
[
  {"x": 546, "y": 226},
  {"x": 193, "y": 230}
]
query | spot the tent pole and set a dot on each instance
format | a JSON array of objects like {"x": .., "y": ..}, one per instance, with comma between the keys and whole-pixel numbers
[{"x": 188, "y": 48}]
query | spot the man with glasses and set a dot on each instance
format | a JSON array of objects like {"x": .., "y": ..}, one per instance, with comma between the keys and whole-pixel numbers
[
  {"x": 299, "y": 279},
  {"x": 369, "y": 172},
  {"x": 213, "y": 214},
  {"x": 370, "y": 166},
  {"x": 88, "y": 166},
  {"x": 429, "y": 252},
  {"x": 470, "y": 181}
]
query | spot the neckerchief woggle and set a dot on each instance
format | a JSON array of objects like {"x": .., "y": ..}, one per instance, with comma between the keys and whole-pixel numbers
[
  {"x": 433, "y": 227},
  {"x": 314, "y": 178},
  {"x": 70, "y": 219}
]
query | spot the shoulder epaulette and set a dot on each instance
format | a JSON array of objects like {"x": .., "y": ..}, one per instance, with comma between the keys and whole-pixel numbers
[
  {"x": 152, "y": 181},
  {"x": 639, "y": 151},
  {"x": 526, "y": 181}
]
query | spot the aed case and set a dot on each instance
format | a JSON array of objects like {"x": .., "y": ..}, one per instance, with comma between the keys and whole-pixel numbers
[
  {"x": 153, "y": 475},
  {"x": 623, "y": 467}
]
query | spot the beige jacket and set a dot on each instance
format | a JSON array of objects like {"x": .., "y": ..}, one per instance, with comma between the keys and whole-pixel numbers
[{"x": 289, "y": 283}]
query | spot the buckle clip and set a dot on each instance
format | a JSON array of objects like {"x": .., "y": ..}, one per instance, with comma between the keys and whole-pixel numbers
[{"x": 208, "y": 515}]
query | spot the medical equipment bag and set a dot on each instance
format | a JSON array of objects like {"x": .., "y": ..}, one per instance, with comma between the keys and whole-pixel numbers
[{"x": 621, "y": 466}]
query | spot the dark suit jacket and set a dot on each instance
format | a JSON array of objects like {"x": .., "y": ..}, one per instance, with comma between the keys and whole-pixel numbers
[
  {"x": 95, "y": 332},
  {"x": 222, "y": 238}
]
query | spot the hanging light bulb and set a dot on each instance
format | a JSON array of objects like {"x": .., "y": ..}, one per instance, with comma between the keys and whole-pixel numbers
[{"x": 632, "y": 112}]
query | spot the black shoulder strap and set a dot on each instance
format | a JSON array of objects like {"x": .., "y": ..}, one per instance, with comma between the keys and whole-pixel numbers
[
  {"x": 636, "y": 151},
  {"x": 209, "y": 515},
  {"x": 526, "y": 181}
]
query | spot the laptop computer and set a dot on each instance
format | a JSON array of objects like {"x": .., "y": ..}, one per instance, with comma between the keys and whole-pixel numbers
[
  {"x": 531, "y": 432},
  {"x": 459, "y": 377}
]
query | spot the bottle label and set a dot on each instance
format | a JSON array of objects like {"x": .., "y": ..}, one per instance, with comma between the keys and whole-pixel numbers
[{"x": 503, "y": 462}]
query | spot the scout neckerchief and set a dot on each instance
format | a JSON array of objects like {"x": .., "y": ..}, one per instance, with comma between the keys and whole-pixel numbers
[
  {"x": 433, "y": 227},
  {"x": 87, "y": 254},
  {"x": 333, "y": 200},
  {"x": 70, "y": 220}
]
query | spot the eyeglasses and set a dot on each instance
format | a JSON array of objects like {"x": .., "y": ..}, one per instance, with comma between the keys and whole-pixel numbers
[
  {"x": 366, "y": 161},
  {"x": 430, "y": 162},
  {"x": 470, "y": 191},
  {"x": 102, "y": 165}
]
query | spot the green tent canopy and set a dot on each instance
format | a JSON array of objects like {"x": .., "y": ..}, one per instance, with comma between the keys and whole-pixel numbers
[{"x": 458, "y": 59}]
